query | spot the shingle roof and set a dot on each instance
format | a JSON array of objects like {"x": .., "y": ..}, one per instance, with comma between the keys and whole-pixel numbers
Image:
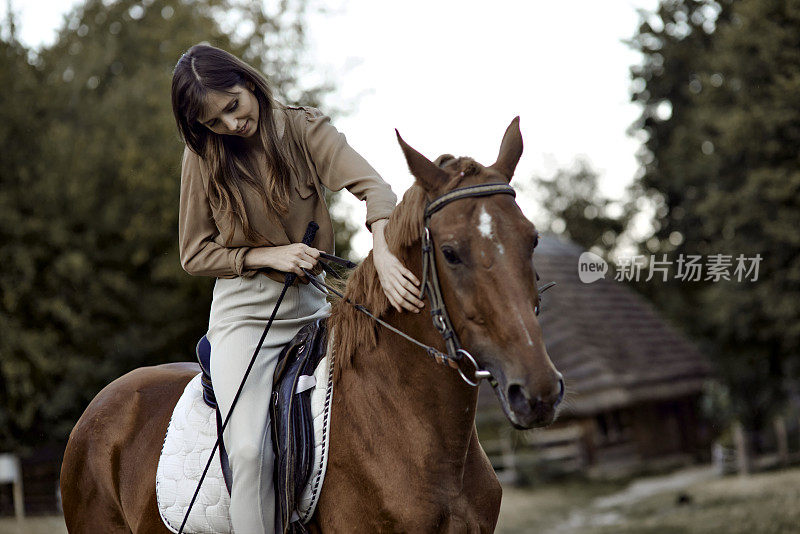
[{"x": 608, "y": 341}]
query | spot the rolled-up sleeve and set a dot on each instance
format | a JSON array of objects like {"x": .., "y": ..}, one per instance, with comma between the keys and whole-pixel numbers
[
  {"x": 338, "y": 165},
  {"x": 200, "y": 254}
]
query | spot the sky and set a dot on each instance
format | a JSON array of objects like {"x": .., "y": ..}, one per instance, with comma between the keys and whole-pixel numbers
[{"x": 450, "y": 75}]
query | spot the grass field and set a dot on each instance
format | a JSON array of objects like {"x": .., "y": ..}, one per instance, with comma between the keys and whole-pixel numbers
[{"x": 689, "y": 502}]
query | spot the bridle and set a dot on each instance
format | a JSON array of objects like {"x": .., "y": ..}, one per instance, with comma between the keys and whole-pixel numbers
[{"x": 430, "y": 283}]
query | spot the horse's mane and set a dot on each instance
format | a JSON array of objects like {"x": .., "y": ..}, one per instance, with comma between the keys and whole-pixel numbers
[{"x": 354, "y": 331}]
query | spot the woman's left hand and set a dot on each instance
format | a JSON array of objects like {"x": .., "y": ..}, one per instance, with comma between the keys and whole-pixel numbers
[{"x": 399, "y": 284}]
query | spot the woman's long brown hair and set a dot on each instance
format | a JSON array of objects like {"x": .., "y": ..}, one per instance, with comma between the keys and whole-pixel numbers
[{"x": 230, "y": 167}]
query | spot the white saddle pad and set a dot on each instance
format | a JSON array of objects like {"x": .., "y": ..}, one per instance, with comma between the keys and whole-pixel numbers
[{"x": 191, "y": 435}]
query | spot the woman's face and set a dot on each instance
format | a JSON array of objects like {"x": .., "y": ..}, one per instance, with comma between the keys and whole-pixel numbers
[{"x": 231, "y": 113}]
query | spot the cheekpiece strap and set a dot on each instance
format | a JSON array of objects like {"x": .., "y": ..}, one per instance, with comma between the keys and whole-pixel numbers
[{"x": 430, "y": 279}]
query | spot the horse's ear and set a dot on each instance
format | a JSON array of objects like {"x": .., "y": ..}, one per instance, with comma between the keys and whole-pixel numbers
[
  {"x": 424, "y": 170},
  {"x": 510, "y": 150}
]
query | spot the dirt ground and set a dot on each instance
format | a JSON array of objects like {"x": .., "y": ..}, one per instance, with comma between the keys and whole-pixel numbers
[
  {"x": 35, "y": 525},
  {"x": 691, "y": 501}
]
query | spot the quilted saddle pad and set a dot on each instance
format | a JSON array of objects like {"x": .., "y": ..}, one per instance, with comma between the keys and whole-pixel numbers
[{"x": 190, "y": 437}]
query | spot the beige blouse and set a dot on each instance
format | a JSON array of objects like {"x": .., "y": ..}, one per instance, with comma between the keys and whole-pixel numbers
[{"x": 203, "y": 231}]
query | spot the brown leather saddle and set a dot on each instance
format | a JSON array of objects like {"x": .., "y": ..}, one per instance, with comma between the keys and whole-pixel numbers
[{"x": 292, "y": 425}]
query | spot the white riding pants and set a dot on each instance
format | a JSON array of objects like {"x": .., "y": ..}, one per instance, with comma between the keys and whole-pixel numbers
[{"x": 240, "y": 310}]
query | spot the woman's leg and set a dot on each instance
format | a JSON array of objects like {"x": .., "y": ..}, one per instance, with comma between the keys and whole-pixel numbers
[{"x": 239, "y": 313}]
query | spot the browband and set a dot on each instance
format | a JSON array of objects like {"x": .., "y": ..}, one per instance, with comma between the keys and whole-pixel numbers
[{"x": 469, "y": 191}]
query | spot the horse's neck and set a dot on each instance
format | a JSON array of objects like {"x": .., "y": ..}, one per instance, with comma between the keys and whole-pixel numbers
[{"x": 424, "y": 402}]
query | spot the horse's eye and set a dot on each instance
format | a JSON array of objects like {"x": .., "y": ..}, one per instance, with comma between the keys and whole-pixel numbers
[{"x": 450, "y": 255}]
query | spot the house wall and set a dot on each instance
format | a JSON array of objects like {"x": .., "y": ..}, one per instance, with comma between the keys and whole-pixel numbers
[{"x": 669, "y": 428}]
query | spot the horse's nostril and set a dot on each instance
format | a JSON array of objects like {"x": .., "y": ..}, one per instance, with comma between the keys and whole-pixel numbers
[
  {"x": 516, "y": 397},
  {"x": 561, "y": 391}
]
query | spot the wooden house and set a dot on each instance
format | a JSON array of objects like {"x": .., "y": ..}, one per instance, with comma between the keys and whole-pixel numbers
[{"x": 633, "y": 382}]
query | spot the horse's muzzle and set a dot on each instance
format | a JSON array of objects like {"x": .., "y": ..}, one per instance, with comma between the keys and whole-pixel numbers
[{"x": 529, "y": 411}]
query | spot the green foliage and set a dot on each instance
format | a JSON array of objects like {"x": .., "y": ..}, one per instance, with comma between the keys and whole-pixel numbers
[
  {"x": 89, "y": 180},
  {"x": 579, "y": 211},
  {"x": 720, "y": 91}
]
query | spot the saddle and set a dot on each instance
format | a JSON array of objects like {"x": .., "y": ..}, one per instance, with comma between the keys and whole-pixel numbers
[{"x": 292, "y": 424}]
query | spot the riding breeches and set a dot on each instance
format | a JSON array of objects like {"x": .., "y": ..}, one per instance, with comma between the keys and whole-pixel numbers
[{"x": 239, "y": 312}]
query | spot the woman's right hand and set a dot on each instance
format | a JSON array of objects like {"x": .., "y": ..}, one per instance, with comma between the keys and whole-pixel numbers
[{"x": 286, "y": 258}]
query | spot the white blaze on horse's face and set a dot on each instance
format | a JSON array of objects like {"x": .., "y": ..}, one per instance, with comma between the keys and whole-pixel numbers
[
  {"x": 486, "y": 230},
  {"x": 525, "y": 330},
  {"x": 485, "y": 227}
]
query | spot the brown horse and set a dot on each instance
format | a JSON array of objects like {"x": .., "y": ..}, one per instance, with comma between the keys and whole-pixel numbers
[{"x": 404, "y": 452}]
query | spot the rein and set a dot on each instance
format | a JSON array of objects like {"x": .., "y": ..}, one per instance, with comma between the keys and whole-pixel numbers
[{"x": 430, "y": 283}]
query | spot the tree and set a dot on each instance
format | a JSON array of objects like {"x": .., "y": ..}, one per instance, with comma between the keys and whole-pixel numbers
[
  {"x": 720, "y": 89},
  {"x": 24, "y": 363},
  {"x": 92, "y": 285},
  {"x": 576, "y": 208}
]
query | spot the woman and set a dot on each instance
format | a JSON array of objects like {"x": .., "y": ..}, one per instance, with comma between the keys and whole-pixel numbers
[{"x": 252, "y": 178}]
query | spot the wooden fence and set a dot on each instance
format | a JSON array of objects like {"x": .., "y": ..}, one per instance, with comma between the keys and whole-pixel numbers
[{"x": 36, "y": 491}]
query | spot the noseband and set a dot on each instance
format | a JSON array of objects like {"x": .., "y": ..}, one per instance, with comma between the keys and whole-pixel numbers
[{"x": 430, "y": 282}]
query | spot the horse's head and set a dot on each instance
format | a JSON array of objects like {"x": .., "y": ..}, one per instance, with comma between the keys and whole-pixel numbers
[{"x": 484, "y": 249}]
